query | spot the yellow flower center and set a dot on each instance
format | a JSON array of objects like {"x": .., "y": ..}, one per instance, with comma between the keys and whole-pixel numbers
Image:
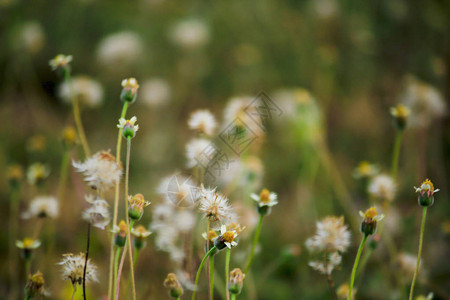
[
  {"x": 122, "y": 227},
  {"x": 364, "y": 167},
  {"x": 427, "y": 185},
  {"x": 69, "y": 135},
  {"x": 371, "y": 213},
  {"x": 212, "y": 235},
  {"x": 402, "y": 111},
  {"x": 264, "y": 196},
  {"x": 27, "y": 242},
  {"x": 229, "y": 236}
]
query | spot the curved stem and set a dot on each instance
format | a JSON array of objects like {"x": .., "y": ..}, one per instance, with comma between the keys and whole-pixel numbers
[
  {"x": 255, "y": 242},
  {"x": 200, "y": 270},
  {"x": 86, "y": 260},
  {"x": 211, "y": 277},
  {"x": 355, "y": 266},
  {"x": 116, "y": 265},
  {"x": 227, "y": 272},
  {"x": 422, "y": 229},
  {"x": 396, "y": 153},
  {"x": 116, "y": 204}
]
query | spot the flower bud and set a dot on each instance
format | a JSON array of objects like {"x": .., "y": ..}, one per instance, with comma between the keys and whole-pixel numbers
[
  {"x": 400, "y": 114},
  {"x": 69, "y": 137},
  {"x": 226, "y": 238},
  {"x": 426, "y": 193},
  {"x": 61, "y": 64},
  {"x": 130, "y": 87},
  {"x": 128, "y": 127},
  {"x": 15, "y": 175},
  {"x": 140, "y": 233},
  {"x": 173, "y": 285},
  {"x": 136, "y": 206},
  {"x": 236, "y": 281},
  {"x": 121, "y": 234},
  {"x": 27, "y": 246},
  {"x": 369, "y": 223},
  {"x": 35, "y": 285}
]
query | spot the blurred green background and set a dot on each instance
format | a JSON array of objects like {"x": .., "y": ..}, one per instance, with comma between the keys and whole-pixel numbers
[{"x": 356, "y": 59}]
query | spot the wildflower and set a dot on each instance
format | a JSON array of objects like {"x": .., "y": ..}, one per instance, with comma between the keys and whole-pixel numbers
[
  {"x": 35, "y": 286},
  {"x": 119, "y": 50},
  {"x": 210, "y": 236},
  {"x": 32, "y": 37},
  {"x": 370, "y": 220},
  {"x": 173, "y": 285},
  {"x": 236, "y": 281},
  {"x": 73, "y": 266},
  {"x": 238, "y": 112},
  {"x": 214, "y": 205},
  {"x": 426, "y": 193},
  {"x": 155, "y": 91},
  {"x": 101, "y": 170},
  {"x": 60, "y": 62},
  {"x": 84, "y": 89},
  {"x": 265, "y": 201},
  {"x": 326, "y": 267},
  {"x": 136, "y": 206},
  {"x": 140, "y": 233},
  {"x": 42, "y": 207},
  {"x": 179, "y": 189},
  {"x": 128, "y": 127},
  {"x": 365, "y": 170},
  {"x": 196, "y": 152},
  {"x": 400, "y": 114},
  {"x": 331, "y": 235},
  {"x": 15, "y": 174},
  {"x": 342, "y": 291},
  {"x": 184, "y": 220},
  {"x": 407, "y": 263},
  {"x": 121, "y": 232},
  {"x": 226, "y": 239},
  {"x": 382, "y": 187},
  {"x": 69, "y": 137},
  {"x": 425, "y": 101},
  {"x": 234, "y": 226},
  {"x": 190, "y": 33},
  {"x": 130, "y": 87},
  {"x": 27, "y": 246},
  {"x": 37, "y": 143},
  {"x": 203, "y": 121},
  {"x": 428, "y": 297},
  {"x": 97, "y": 214},
  {"x": 37, "y": 173}
]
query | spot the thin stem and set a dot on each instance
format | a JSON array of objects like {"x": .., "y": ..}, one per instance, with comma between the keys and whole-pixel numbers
[
  {"x": 116, "y": 265},
  {"x": 422, "y": 229},
  {"x": 329, "y": 279},
  {"x": 233, "y": 296},
  {"x": 116, "y": 204},
  {"x": 208, "y": 225},
  {"x": 119, "y": 273},
  {"x": 211, "y": 277},
  {"x": 77, "y": 115},
  {"x": 227, "y": 271},
  {"x": 255, "y": 242},
  {"x": 13, "y": 225},
  {"x": 27, "y": 267},
  {"x": 63, "y": 174},
  {"x": 74, "y": 290},
  {"x": 131, "y": 261},
  {"x": 200, "y": 270},
  {"x": 27, "y": 297},
  {"x": 355, "y": 266},
  {"x": 37, "y": 229},
  {"x": 396, "y": 153},
  {"x": 86, "y": 260}
]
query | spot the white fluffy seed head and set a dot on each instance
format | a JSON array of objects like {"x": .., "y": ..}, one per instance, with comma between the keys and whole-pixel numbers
[
  {"x": 331, "y": 235},
  {"x": 382, "y": 187},
  {"x": 73, "y": 267},
  {"x": 42, "y": 207},
  {"x": 88, "y": 91},
  {"x": 97, "y": 213}
]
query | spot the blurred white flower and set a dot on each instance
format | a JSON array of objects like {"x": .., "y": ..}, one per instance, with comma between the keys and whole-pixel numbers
[
  {"x": 325, "y": 8},
  {"x": 203, "y": 121},
  {"x": 155, "y": 91},
  {"x": 97, "y": 213},
  {"x": 331, "y": 235},
  {"x": 37, "y": 172},
  {"x": 179, "y": 189},
  {"x": 42, "y": 207},
  {"x": 407, "y": 263},
  {"x": 198, "y": 152},
  {"x": 238, "y": 111},
  {"x": 88, "y": 91},
  {"x": 120, "y": 49},
  {"x": 73, "y": 267},
  {"x": 333, "y": 260},
  {"x": 185, "y": 220},
  {"x": 190, "y": 33},
  {"x": 215, "y": 207},
  {"x": 382, "y": 187},
  {"x": 32, "y": 37},
  {"x": 425, "y": 101}
]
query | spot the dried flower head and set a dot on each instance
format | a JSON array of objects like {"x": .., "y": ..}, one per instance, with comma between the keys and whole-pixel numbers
[
  {"x": 130, "y": 87},
  {"x": 97, "y": 213},
  {"x": 370, "y": 220},
  {"x": 101, "y": 170},
  {"x": 190, "y": 33},
  {"x": 128, "y": 128},
  {"x": 426, "y": 193},
  {"x": 226, "y": 239},
  {"x": 173, "y": 285},
  {"x": 37, "y": 173},
  {"x": 382, "y": 187},
  {"x": 203, "y": 121},
  {"x": 31, "y": 37},
  {"x": 136, "y": 205},
  {"x": 326, "y": 267},
  {"x": 84, "y": 89},
  {"x": 155, "y": 91},
  {"x": 236, "y": 281},
  {"x": 119, "y": 50},
  {"x": 331, "y": 235},
  {"x": 60, "y": 61},
  {"x": 214, "y": 206},
  {"x": 35, "y": 286},
  {"x": 42, "y": 207},
  {"x": 73, "y": 266},
  {"x": 365, "y": 170}
]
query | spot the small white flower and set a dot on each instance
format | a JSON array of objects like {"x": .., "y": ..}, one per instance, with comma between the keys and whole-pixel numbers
[
  {"x": 97, "y": 213},
  {"x": 28, "y": 244},
  {"x": 60, "y": 61},
  {"x": 198, "y": 152},
  {"x": 190, "y": 33},
  {"x": 130, "y": 122},
  {"x": 140, "y": 232},
  {"x": 120, "y": 49},
  {"x": 228, "y": 237},
  {"x": 73, "y": 267},
  {"x": 331, "y": 235},
  {"x": 155, "y": 91},
  {"x": 266, "y": 198},
  {"x": 214, "y": 206},
  {"x": 382, "y": 187},
  {"x": 101, "y": 170},
  {"x": 86, "y": 90},
  {"x": 37, "y": 172},
  {"x": 203, "y": 121},
  {"x": 42, "y": 207}
]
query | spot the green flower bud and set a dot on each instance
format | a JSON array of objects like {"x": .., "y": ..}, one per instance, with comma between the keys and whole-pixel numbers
[
  {"x": 173, "y": 285},
  {"x": 129, "y": 91},
  {"x": 236, "y": 281},
  {"x": 426, "y": 193}
]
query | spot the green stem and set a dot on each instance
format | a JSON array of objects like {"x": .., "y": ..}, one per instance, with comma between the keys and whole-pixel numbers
[
  {"x": 116, "y": 265},
  {"x": 200, "y": 270},
  {"x": 211, "y": 277},
  {"x": 396, "y": 154},
  {"x": 355, "y": 266},
  {"x": 63, "y": 174},
  {"x": 27, "y": 267},
  {"x": 422, "y": 229},
  {"x": 227, "y": 271},
  {"x": 116, "y": 204},
  {"x": 13, "y": 225},
  {"x": 233, "y": 296},
  {"x": 255, "y": 242},
  {"x": 77, "y": 115},
  {"x": 27, "y": 297}
]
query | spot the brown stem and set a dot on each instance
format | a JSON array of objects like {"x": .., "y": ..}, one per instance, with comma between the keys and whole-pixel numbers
[{"x": 86, "y": 260}]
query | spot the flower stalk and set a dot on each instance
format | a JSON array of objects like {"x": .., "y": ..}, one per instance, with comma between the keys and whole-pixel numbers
[
  {"x": 422, "y": 229},
  {"x": 208, "y": 254},
  {"x": 255, "y": 242},
  {"x": 227, "y": 271},
  {"x": 86, "y": 260},
  {"x": 355, "y": 266}
]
